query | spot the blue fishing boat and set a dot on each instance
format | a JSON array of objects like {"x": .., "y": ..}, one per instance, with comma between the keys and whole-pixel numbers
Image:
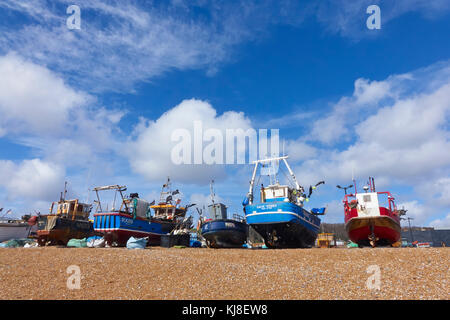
[
  {"x": 279, "y": 217},
  {"x": 134, "y": 217},
  {"x": 219, "y": 231}
]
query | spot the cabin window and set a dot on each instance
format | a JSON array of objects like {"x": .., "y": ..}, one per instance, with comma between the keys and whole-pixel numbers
[
  {"x": 279, "y": 193},
  {"x": 366, "y": 198}
]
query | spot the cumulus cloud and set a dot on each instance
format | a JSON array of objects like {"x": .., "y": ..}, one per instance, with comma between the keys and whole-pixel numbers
[
  {"x": 443, "y": 223},
  {"x": 299, "y": 150},
  {"x": 65, "y": 129},
  {"x": 39, "y": 110},
  {"x": 404, "y": 136},
  {"x": 25, "y": 103},
  {"x": 417, "y": 211},
  {"x": 150, "y": 150},
  {"x": 346, "y": 112},
  {"x": 395, "y": 130},
  {"x": 31, "y": 179}
]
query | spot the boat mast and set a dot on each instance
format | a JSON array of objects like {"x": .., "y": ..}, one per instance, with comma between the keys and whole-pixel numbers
[
  {"x": 353, "y": 179},
  {"x": 165, "y": 194},
  {"x": 252, "y": 182},
  {"x": 99, "y": 204},
  {"x": 212, "y": 191},
  {"x": 291, "y": 173},
  {"x": 256, "y": 162},
  {"x": 65, "y": 190},
  {"x": 116, "y": 189}
]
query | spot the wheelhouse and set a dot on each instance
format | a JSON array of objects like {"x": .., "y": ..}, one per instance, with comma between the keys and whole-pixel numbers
[{"x": 72, "y": 209}]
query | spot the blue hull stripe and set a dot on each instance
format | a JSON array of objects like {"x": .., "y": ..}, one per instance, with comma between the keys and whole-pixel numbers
[
  {"x": 108, "y": 223},
  {"x": 281, "y": 212}
]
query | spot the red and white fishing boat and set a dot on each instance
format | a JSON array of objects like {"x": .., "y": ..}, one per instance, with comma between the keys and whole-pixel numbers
[{"x": 371, "y": 217}]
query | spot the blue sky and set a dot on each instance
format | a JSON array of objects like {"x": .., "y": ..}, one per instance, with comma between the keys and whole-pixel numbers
[{"x": 97, "y": 106}]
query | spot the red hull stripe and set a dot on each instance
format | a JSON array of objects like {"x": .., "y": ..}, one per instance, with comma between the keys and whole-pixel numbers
[{"x": 384, "y": 227}]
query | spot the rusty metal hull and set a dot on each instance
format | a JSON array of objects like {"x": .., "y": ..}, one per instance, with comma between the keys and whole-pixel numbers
[{"x": 53, "y": 229}]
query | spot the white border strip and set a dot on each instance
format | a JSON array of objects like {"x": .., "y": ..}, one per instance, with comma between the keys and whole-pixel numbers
[
  {"x": 283, "y": 212},
  {"x": 123, "y": 229}
]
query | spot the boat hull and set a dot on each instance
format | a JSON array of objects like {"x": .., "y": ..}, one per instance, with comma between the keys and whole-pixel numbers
[
  {"x": 385, "y": 228},
  {"x": 58, "y": 230},
  {"x": 119, "y": 227},
  {"x": 224, "y": 233},
  {"x": 283, "y": 224},
  {"x": 10, "y": 231}
]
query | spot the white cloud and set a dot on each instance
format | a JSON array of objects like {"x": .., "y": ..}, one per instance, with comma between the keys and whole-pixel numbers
[
  {"x": 348, "y": 18},
  {"x": 203, "y": 200},
  {"x": 443, "y": 223},
  {"x": 299, "y": 150},
  {"x": 128, "y": 43},
  {"x": 149, "y": 152},
  {"x": 410, "y": 122},
  {"x": 417, "y": 211},
  {"x": 346, "y": 112},
  {"x": 31, "y": 179},
  {"x": 403, "y": 136},
  {"x": 38, "y": 109},
  {"x": 33, "y": 99},
  {"x": 436, "y": 191},
  {"x": 335, "y": 212},
  {"x": 65, "y": 130},
  {"x": 402, "y": 139},
  {"x": 133, "y": 42}
]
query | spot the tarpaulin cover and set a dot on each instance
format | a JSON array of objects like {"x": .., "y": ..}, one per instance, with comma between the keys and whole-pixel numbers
[
  {"x": 352, "y": 245},
  {"x": 96, "y": 242},
  {"x": 16, "y": 243},
  {"x": 77, "y": 243},
  {"x": 136, "y": 243}
]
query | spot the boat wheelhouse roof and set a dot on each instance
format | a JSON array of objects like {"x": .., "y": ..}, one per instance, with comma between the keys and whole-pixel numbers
[
  {"x": 163, "y": 205},
  {"x": 71, "y": 201},
  {"x": 276, "y": 186},
  {"x": 275, "y": 192},
  {"x": 111, "y": 187}
]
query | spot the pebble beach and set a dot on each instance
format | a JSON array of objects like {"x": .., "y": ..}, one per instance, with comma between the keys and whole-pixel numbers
[{"x": 205, "y": 274}]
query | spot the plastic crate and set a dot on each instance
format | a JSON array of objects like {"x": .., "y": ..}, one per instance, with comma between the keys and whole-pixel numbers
[{"x": 168, "y": 241}]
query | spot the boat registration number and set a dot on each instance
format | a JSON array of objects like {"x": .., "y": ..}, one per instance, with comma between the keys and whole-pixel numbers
[{"x": 266, "y": 206}]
